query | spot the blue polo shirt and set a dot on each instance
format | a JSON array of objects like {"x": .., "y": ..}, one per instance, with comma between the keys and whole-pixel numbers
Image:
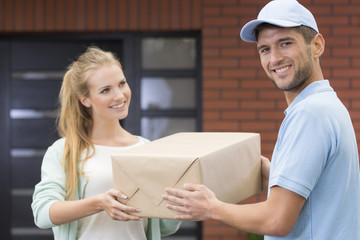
[{"x": 316, "y": 156}]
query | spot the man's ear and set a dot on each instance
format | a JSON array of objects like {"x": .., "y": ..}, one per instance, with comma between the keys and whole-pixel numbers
[
  {"x": 318, "y": 45},
  {"x": 84, "y": 100}
]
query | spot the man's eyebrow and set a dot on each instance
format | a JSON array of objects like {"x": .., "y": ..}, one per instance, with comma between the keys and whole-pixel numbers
[
  {"x": 261, "y": 47},
  {"x": 286, "y": 39},
  {"x": 278, "y": 41}
]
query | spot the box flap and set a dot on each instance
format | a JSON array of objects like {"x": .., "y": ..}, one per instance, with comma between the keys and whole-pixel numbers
[{"x": 150, "y": 178}]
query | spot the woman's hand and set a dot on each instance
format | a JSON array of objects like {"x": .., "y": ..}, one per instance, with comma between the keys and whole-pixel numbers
[
  {"x": 62, "y": 212},
  {"x": 195, "y": 202},
  {"x": 110, "y": 202}
]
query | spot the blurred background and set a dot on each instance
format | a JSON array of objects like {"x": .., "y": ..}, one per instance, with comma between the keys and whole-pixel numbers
[{"x": 187, "y": 68}]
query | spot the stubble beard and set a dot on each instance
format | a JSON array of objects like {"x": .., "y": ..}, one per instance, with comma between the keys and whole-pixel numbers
[{"x": 300, "y": 76}]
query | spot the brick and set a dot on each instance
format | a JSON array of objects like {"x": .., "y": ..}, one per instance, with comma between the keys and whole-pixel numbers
[
  {"x": 336, "y": 62},
  {"x": 267, "y": 149},
  {"x": 239, "y": 52},
  {"x": 238, "y": 115},
  {"x": 211, "y": 223},
  {"x": 357, "y": 128},
  {"x": 257, "y": 104},
  {"x": 257, "y": 126},
  {"x": 271, "y": 115},
  {"x": 355, "y": 62},
  {"x": 211, "y": 115},
  {"x": 220, "y": 62},
  {"x": 355, "y": 84},
  {"x": 355, "y": 115},
  {"x": 260, "y": 84},
  {"x": 220, "y": 21},
  {"x": 210, "y": 53},
  {"x": 342, "y": 20},
  {"x": 210, "y": 73},
  {"x": 134, "y": 19},
  {"x": 174, "y": 14},
  {"x": 269, "y": 136},
  {"x": 347, "y": 31},
  {"x": 222, "y": 231},
  {"x": 345, "y": 52},
  {"x": 185, "y": 14},
  {"x": 211, "y": 32},
  {"x": 346, "y": 9},
  {"x": 330, "y": 2},
  {"x": 238, "y": 73},
  {"x": 220, "y": 42},
  {"x": 220, "y": 84},
  {"x": 224, "y": 126},
  {"x": 320, "y": 10},
  {"x": 271, "y": 94},
  {"x": 355, "y": 41},
  {"x": 346, "y": 73},
  {"x": 251, "y": 62},
  {"x": 219, "y": 2},
  {"x": 240, "y": 11},
  {"x": 238, "y": 94},
  {"x": 336, "y": 41},
  {"x": 230, "y": 31},
  {"x": 207, "y": 105},
  {"x": 355, "y": 20},
  {"x": 211, "y": 94},
  {"x": 197, "y": 14},
  {"x": 340, "y": 84},
  {"x": 355, "y": 104},
  {"x": 211, "y": 11}
]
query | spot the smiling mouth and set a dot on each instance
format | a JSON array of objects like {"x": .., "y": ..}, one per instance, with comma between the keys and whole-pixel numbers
[
  {"x": 281, "y": 70},
  {"x": 121, "y": 105}
]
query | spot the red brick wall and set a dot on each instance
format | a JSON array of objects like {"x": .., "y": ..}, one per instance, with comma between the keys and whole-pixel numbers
[{"x": 237, "y": 96}]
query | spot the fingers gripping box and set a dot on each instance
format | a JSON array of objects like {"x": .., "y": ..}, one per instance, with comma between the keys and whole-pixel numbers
[{"x": 227, "y": 163}]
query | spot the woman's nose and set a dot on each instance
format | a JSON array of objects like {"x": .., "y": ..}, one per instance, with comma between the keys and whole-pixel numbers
[{"x": 118, "y": 93}]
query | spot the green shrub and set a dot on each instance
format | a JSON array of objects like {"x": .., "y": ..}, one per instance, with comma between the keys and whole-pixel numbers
[{"x": 252, "y": 236}]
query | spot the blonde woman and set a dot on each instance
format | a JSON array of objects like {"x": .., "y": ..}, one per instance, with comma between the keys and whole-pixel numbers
[{"x": 75, "y": 196}]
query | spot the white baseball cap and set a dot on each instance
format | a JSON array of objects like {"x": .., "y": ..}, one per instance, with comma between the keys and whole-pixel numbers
[{"x": 282, "y": 13}]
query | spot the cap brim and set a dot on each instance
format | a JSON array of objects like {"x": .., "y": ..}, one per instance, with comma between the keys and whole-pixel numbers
[{"x": 247, "y": 33}]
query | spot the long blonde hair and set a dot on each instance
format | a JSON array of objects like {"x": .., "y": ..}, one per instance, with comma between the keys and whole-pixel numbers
[{"x": 74, "y": 121}]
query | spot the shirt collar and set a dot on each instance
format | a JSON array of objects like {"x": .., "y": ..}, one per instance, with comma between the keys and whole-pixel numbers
[{"x": 312, "y": 88}]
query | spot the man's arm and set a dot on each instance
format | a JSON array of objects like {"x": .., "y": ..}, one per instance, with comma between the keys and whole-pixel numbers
[{"x": 276, "y": 216}]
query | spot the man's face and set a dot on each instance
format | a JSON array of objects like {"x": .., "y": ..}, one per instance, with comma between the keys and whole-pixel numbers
[{"x": 285, "y": 57}]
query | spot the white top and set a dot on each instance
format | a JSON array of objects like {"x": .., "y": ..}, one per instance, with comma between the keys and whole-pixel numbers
[{"x": 98, "y": 170}]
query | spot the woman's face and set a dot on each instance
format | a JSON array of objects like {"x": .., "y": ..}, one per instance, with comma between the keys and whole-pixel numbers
[{"x": 109, "y": 94}]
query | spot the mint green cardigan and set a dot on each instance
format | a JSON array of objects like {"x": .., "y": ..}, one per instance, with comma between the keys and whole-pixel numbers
[{"x": 51, "y": 189}]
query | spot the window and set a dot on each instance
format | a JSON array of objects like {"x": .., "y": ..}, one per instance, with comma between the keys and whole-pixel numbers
[{"x": 169, "y": 85}]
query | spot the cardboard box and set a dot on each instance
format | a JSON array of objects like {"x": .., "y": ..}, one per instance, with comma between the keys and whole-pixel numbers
[{"x": 227, "y": 163}]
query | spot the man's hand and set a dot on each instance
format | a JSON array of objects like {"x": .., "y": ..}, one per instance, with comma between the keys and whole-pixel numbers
[
  {"x": 265, "y": 172},
  {"x": 195, "y": 202}
]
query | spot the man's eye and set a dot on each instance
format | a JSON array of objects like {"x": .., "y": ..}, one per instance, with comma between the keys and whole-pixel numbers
[
  {"x": 264, "y": 50},
  {"x": 285, "y": 44},
  {"x": 122, "y": 83}
]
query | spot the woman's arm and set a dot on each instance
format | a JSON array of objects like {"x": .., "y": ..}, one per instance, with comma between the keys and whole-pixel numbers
[
  {"x": 49, "y": 205},
  {"x": 62, "y": 212}
]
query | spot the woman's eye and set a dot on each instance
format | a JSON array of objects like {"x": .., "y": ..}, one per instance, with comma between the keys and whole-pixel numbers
[
  {"x": 105, "y": 90},
  {"x": 122, "y": 83}
]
